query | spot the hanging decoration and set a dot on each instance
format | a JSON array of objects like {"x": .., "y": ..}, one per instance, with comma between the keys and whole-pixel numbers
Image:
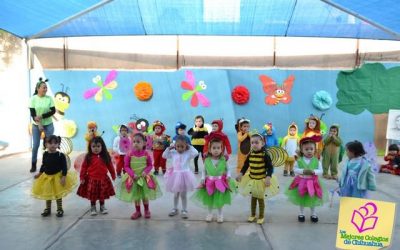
[
  {"x": 240, "y": 95},
  {"x": 194, "y": 91},
  {"x": 143, "y": 91},
  {"x": 322, "y": 100},
  {"x": 276, "y": 93},
  {"x": 103, "y": 88}
]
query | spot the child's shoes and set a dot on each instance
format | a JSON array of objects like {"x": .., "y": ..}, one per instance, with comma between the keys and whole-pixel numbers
[
  {"x": 60, "y": 213},
  {"x": 220, "y": 218},
  {"x": 46, "y": 212},
  {"x": 103, "y": 210},
  {"x": 184, "y": 214},
  {"x": 209, "y": 217},
  {"x": 301, "y": 218},
  {"x": 314, "y": 218},
  {"x": 173, "y": 212},
  {"x": 147, "y": 214},
  {"x": 260, "y": 221},
  {"x": 93, "y": 211},
  {"x": 252, "y": 218},
  {"x": 292, "y": 173},
  {"x": 285, "y": 173},
  {"x": 136, "y": 215}
]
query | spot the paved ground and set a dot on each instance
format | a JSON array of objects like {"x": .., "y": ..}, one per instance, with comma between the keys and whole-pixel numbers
[{"x": 22, "y": 227}]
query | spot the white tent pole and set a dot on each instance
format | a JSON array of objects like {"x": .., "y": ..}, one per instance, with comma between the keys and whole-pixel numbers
[
  {"x": 377, "y": 25},
  {"x": 66, "y": 20}
]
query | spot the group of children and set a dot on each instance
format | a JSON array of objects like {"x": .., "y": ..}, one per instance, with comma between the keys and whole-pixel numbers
[{"x": 255, "y": 170}]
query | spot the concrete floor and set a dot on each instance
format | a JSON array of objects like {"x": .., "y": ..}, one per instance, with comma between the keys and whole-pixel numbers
[{"x": 22, "y": 227}]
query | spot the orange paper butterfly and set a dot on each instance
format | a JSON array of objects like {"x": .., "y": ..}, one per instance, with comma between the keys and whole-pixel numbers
[{"x": 276, "y": 93}]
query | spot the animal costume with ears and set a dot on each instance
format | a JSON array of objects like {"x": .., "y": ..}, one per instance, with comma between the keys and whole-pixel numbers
[
  {"x": 178, "y": 126},
  {"x": 224, "y": 137},
  {"x": 160, "y": 143},
  {"x": 330, "y": 154},
  {"x": 315, "y": 133},
  {"x": 291, "y": 144},
  {"x": 244, "y": 144},
  {"x": 91, "y": 131},
  {"x": 270, "y": 139}
]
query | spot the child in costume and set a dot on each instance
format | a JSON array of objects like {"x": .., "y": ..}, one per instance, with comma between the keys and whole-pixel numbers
[
  {"x": 121, "y": 146},
  {"x": 259, "y": 179},
  {"x": 179, "y": 179},
  {"x": 160, "y": 143},
  {"x": 291, "y": 144},
  {"x": 53, "y": 181},
  {"x": 393, "y": 158},
  {"x": 313, "y": 129},
  {"x": 217, "y": 185},
  {"x": 269, "y": 136},
  {"x": 91, "y": 131},
  {"x": 138, "y": 184},
  {"x": 95, "y": 183},
  {"x": 330, "y": 154},
  {"x": 217, "y": 126},
  {"x": 180, "y": 129},
  {"x": 198, "y": 133},
  {"x": 306, "y": 189},
  {"x": 242, "y": 128},
  {"x": 357, "y": 177}
]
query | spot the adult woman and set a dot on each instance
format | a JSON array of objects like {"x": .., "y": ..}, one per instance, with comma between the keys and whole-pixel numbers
[{"x": 41, "y": 109}]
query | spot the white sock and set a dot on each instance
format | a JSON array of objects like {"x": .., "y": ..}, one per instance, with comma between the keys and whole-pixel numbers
[
  {"x": 176, "y": 199},
  {"x": 220, "y": 211},
  {"x": 209, "y": 210},
  {"x": 301, "y": 210},
  {"x": 313, "y": 213},
  {"x": 184, "y": 200}
]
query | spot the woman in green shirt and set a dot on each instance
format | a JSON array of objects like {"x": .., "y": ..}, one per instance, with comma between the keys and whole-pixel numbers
[{"x": 42, "y": 109}]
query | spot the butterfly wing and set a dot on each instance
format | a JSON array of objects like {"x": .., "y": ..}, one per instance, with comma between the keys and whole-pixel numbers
[
  {"x": 288, "y": 84},
  {"x": 187, "y": 95},
  {"x": 111, "y": 85},
  {"x": 110, "y": 77},
  {"x": 90, "y": 93},
  {"x": 269, "y": 85},
  {"x": 186, "y": 85},
  {"x": 203, "y": 99},
  {"x": 107, "y": 94},
  {"x": 194, "y": 101},
  {"x": 99, "y": 95},
  {"x": 190, "y": 77}
]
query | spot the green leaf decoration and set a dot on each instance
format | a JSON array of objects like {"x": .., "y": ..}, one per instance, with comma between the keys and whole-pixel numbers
[{"x": 371, "y": 87}]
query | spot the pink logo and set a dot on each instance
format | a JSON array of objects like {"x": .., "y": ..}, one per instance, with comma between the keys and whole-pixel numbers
[{"x": 363, "y": 218}]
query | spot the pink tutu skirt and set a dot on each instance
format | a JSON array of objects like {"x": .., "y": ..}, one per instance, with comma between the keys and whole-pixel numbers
[{"x": 180, "y": 181}]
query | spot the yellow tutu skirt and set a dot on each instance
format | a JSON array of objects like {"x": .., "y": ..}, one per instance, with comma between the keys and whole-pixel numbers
[
  {"x": 257, "y": 188},
  {"x": 48, "y": 187}
]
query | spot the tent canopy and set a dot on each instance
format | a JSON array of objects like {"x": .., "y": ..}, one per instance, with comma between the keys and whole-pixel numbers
[{"x": 293, "y": 18}]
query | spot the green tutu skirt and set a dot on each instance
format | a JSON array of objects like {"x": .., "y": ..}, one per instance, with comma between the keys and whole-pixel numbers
[
  {"x": 306, "y": 200},
  {"x": 144, "y": 188},
  {"x": 217, "y": 199}
]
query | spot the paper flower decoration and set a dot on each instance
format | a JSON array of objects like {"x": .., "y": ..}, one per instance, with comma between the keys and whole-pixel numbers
[
  {"x": 143, "y": 91},
  {"x": 322, "y": 100},
  {"x": 240, "y": 95}
]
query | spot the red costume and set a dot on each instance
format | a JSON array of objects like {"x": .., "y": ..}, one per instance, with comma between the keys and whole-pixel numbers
[
  {"x": 160, "y": 143},
  {"x": 221, "y": 135},
  {"x": 394, "y": 160},
  {"x": 97, "y": 185}
]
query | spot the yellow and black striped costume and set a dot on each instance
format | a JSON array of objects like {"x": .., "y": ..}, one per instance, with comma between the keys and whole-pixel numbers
[
  {"x": 198, "y": 142},
  {"x": 260, "y": 166},
  {"x": 253, "y": 183}
]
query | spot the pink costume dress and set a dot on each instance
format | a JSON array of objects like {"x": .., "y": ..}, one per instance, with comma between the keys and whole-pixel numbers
[{"x": 179, "y": 177}]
